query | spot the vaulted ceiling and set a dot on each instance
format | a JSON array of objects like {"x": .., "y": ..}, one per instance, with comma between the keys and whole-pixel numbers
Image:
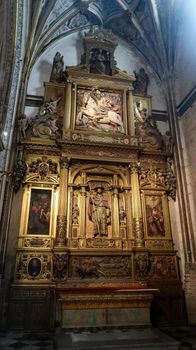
[{"x": 147, "y": 26}]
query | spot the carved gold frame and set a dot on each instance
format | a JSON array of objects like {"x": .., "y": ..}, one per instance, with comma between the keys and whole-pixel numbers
[{"x": 166, "y": 218}]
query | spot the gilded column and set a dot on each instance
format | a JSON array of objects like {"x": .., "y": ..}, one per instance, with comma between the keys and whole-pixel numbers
[
  {"x": 128, "y": 213},
  {"x": 69, "y": 219},
  {"x": 138, "y": 229},
  {"x": 83, "y": 206},
  {"x": 115, "y": 207},
  {"x": 62, "y": 208}
]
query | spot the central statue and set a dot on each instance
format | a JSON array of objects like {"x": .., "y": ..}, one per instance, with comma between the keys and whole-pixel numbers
[{"x": 99, "y": 212}]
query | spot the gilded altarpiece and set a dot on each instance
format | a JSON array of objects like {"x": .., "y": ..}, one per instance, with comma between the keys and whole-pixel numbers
[{"x": 95, "y": 211}]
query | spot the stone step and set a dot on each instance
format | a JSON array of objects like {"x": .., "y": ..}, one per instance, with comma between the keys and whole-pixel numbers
[{"x": 143, "y": 338}]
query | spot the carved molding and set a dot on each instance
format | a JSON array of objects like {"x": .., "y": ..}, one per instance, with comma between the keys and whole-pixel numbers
[
  {"x": 158, "y": 244},
  {"x": 37, "y": 242}
]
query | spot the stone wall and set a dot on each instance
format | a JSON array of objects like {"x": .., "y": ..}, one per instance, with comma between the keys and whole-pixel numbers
[
  {"x": 186, "y": 51},
  {"x": 188, "y": 132}
]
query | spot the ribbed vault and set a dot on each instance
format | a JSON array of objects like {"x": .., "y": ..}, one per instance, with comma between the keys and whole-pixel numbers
[{"x": 147, "y": 26}]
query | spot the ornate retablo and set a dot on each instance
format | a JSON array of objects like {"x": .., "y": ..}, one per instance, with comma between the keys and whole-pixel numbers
[{"x": 96, "y": 174}]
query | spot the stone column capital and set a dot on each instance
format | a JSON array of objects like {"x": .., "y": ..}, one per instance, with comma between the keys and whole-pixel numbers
[
  {"x": 134, "y": 168},
  {"x": 65, "y": 162}
]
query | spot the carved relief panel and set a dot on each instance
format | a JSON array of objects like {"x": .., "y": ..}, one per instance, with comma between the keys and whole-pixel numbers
[{"x": 99, "y": 110}]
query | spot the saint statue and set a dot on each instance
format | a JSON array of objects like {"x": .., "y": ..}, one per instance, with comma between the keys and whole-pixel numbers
[
  {"x": 99, "y": 213},
  {"x": 57, "y": 74},
  {"x": 98, "y": 62},
  {"x": 141, "y": 83}
]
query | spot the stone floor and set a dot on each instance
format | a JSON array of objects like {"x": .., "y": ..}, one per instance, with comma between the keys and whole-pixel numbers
[
  {"x": 185, "y": 335},
  {"x": 26, "y": 341},
  {"x": 109, "y": 338}
]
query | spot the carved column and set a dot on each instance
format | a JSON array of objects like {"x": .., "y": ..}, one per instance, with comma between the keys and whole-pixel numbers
[
  {"x": 115, "y": 207},
  {"x": 136, "y": 208},
  {"x": 83, "y": 206},
  {"x": 62, "y": 209},
  {"x": 69, "y": 219},
  {"x": 128, "y": 213}
]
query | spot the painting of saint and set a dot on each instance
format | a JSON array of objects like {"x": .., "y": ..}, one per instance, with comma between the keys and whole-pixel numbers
[
  {"x": 99, "y": 111},
  {"x": 154, "y": 216},
  {"x": 39, "y": 212}
]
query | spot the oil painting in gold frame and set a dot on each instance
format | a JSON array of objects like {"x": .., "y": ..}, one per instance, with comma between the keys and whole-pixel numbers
[
  {"x": 39, "y": 216},
  {"x": 156, "y": 215}
]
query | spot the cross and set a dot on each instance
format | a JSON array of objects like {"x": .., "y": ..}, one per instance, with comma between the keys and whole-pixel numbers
[{"x": 106, "y": 315}]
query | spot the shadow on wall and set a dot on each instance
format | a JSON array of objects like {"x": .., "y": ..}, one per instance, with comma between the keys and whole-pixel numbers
[
  {"x": 80, "y": 47},
  {"x": 43, "y": 73}
]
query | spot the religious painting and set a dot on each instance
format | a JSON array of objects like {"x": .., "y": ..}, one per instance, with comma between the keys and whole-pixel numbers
[
  {"x": 39, "y": 212},
  {"x": 34, "y": 267},
  {"x": 155, "y": 222},
  {"x": 164, "y": 267},
  {"x": 99, "y": 110}
]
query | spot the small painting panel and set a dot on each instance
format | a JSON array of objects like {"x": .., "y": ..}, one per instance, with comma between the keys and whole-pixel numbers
[
  {"x": 155, "y": 223},
  {"x": 99, "y": 110},
  {"x": 39, "y": 212},
  {"x": 34, "y": 267}
]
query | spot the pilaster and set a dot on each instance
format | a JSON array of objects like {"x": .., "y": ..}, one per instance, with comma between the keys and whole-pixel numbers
[
  {"x": 137, "y": 209},
  {"x": 62, "y": 209}
]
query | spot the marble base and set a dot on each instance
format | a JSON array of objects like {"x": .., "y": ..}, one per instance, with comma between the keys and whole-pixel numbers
[
  {"x": 103, "y": 308},
  {"x": 141, "y": 338},
  {"x": 105, "y": 317}
]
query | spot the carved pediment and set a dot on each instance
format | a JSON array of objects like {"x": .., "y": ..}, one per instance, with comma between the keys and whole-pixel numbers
[{"x": 42, "y": 169}]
